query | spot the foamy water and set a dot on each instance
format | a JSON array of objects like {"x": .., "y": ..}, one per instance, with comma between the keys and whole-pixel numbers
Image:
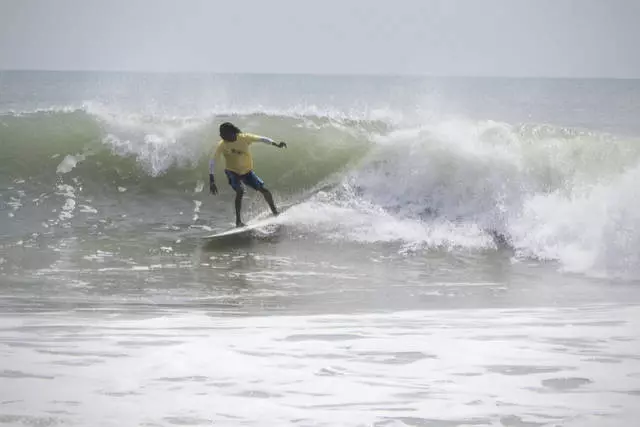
[{"x": 560, "y": 366}]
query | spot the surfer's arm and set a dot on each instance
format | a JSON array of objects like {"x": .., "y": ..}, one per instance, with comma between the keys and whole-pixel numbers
[
  {"x": 212, "y": 166},
  {"x": 265, "y": 140},
  {"x": 215, "y": 155}
]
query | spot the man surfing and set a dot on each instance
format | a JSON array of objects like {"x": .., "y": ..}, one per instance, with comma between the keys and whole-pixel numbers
[{"x": 234, "y": 146}]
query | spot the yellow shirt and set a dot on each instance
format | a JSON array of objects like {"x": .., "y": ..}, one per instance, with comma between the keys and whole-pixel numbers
[{"x": 236, "y": 154}]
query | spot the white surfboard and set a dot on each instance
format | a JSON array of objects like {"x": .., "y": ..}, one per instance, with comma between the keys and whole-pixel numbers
[{"x": 252, "y": 225}]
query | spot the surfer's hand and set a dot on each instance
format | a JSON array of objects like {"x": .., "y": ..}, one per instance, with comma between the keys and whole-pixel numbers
[{"x": 282, "y": 145}]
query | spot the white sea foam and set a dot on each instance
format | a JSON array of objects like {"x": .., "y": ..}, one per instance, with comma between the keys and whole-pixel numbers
[
  {"x": 552, "y": 194},
  {"x": 571, "y": 367}
]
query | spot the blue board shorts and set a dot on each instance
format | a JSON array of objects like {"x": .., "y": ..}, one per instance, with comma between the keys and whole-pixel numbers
[{"x": 251, "y": 179}]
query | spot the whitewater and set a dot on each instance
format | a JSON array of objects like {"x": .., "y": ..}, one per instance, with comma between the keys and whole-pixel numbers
[{"x": 455, "y": 252}]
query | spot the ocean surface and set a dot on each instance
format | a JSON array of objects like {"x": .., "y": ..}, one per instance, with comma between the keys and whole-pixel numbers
[{"x": 455, "y": 252}]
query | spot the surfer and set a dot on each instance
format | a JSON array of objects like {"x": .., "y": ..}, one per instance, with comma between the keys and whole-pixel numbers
[{"x": 234, "y": 146}]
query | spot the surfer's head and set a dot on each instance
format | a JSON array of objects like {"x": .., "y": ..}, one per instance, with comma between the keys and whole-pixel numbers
[{"x": 229, "y": 132}]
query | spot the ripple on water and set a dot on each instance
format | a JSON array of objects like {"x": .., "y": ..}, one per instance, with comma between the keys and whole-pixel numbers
[
  {"x": 21, "y": 375},
  {"x": 525, "y": 369},
  {"x": 565, "y": 384}
]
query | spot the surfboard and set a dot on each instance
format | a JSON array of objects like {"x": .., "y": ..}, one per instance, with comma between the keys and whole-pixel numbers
[{"x": 252, "y": 225}]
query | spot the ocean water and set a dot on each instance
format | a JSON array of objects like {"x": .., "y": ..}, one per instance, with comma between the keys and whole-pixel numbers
[{"x": 455, "y": 252}]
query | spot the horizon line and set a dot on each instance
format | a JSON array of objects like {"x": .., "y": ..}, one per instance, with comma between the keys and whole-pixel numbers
[{"x": 312, "y": 74}]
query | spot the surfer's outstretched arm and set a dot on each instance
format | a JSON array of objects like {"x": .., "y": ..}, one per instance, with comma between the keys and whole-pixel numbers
[{"x": 268, "y": 141}]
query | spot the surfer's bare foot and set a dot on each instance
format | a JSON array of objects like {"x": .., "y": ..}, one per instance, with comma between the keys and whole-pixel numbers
[{"x": 240, "y": 224}]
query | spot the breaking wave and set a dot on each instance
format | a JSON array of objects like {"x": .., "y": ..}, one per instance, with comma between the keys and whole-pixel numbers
[{"x": 554, "y": 194}]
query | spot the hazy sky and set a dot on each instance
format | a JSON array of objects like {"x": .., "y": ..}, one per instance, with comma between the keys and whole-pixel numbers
[{"x": 599, "y": 38}]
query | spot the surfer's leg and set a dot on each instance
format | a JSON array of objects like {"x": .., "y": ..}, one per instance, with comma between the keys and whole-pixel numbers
[
  {"x": 236, "y": 184},
  {"x": 239, "y": 194},
  {"x": 254, "y": 181},
  {"x": 269, "y": 198}
]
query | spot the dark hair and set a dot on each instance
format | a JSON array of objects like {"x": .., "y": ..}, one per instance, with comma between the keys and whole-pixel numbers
[{"x": 228, "y": 131}]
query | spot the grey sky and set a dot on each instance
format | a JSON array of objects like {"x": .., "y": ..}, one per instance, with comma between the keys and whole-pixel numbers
[{"x": 587, "y": 38}]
